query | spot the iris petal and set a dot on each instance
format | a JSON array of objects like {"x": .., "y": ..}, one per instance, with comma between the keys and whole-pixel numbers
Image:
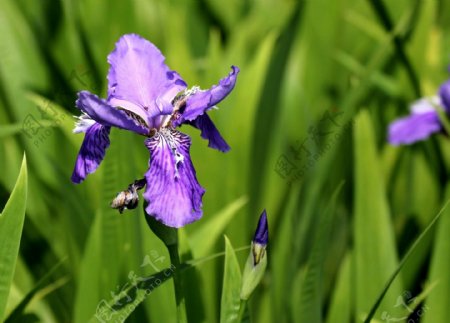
[
  {"x": 201, "y": 101},
  {"x": 106, "y": 115},
  {"x": 139, "y": 75},
  {"x": 92, "y": 151},
  {"x": 417, "y": 126},
  {"x": 444, "y": 93},
  {"x": 210, "y": 133},
  {"x": 426, "y": 104},
  {"x": 173, "y": 193}
]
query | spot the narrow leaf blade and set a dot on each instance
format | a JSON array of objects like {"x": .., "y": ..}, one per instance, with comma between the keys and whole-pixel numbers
[
  {"x": 11, "y": 225},
  {"x": 375, "y": 257},
  {"x": 231, "y": 288}
]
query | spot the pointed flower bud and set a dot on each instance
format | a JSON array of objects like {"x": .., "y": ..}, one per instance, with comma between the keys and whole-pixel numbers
[
  {"x": 257, "y": 260},
  {"x": 260, "y": 239}
]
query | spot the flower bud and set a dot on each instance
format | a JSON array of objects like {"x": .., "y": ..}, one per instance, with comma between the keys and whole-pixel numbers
[{"x": 257, "y": 260}]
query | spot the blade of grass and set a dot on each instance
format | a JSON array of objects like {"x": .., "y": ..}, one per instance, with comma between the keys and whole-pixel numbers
[
  {"x": 270, "y": 97},
  {"x": 402, "y": 263},
  {"x": 311, "y": 300},
  {"x": 340, "y": 304},
  {"x": 134, "y": 294},
  {"x": 440, "y": 272},
  {"x": 10, "y": 129},
  {"x": 231, "y": 287},
  {"x": 11, "y": 225},
  {"x": 214, "y": 228},
  {"x": 130, "y": 297},
  {"x": 383, "y": 14},
  {"x": 44, "y": 282},
  {"x": 375, "y": 254}
]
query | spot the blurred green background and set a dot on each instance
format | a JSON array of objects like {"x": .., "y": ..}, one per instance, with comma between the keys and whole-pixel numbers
[{"x": 319, "y": 83}]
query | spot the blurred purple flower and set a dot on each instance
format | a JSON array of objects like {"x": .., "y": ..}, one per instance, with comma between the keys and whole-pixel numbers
[
  {"x": 146, "y": 97},
  {"x": 423, "y": 120}
]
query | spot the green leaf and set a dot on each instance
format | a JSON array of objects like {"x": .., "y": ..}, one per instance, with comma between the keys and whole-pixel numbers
[
  {"x": 405, "y": 258},
  {"x": 130, "y": 297},
  {"x": 11, "y": 225},
  {"x": 88, "y": 291},
  {"x": 60, "y": 118},
  {"x": 10, "y": 129},
  {"x": 44, "y": 283},
  {"x": 383, "y": 14},
  {"x": 375, "y": 255},
  {"x": 100, "y": 272},
  {"x": 310, "y": 304},
  {"x": 340, "y": 304},
  {"x": 282, "y": 265},
  {"x": 270, "y": 97},
  {"x": 214, "y": 228},
  {"x": 230, "y": 302},
  {"x": 437, "y": 301}
]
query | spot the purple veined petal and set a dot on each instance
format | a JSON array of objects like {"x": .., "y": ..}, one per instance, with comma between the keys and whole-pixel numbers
[
  {"x": 133, "y": 108},
  {"x": 139, "y": 75},
  {"x": 104, "y": 114},
  {"x": 210, "y": 133},
  {"x": 444, "y": 93},
  {"x": 201, "y": 101},
  {"x": 92, "y": 151},
  {"x": 415, "y": 127},
  {"x": 173, "y": 193}
]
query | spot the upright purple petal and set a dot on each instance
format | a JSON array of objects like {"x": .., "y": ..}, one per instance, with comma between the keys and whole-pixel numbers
[
  {"x": 106, "y": 115},
  {"x": 92, "y": 151},
  {"x": 139, "y": 79},
  {"x": 173, "y": 193},
  {"x": 201, "y": 101},
  {"x": 417, "y": 126},
  {"x": 210, "y": 133},
  {"x": 444, "y": 93}
]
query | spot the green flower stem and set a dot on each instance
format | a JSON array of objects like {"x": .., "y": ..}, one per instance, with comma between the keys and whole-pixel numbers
[
  {"x": 178, "y": 283},
  {"x": 169, "y": 236}
]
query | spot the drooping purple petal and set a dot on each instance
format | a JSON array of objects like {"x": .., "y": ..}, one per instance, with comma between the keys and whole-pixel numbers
[
  {"x": 417, "y": 126},
  {"x": 106, "y": 115},
  {"x": 138, "y": 79},
  {"x": 173, "y": 193},
  {"x": 444, "y": 93},
  {"x": 210, "y": 133},
  {"x": 201, "y": 101},
  {"x": 92, "y": 151}
]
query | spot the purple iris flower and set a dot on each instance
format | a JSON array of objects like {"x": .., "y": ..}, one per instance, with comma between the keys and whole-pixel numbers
[
  {"x": 146, "y": 97},
  {"x": 423, "y": 121}
]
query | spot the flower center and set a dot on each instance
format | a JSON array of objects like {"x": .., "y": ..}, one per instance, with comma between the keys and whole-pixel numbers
[{"x": 179, "y": 105}]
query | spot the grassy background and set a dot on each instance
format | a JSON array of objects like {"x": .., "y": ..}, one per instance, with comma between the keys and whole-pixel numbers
[{"x": 358, "y": 62}]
